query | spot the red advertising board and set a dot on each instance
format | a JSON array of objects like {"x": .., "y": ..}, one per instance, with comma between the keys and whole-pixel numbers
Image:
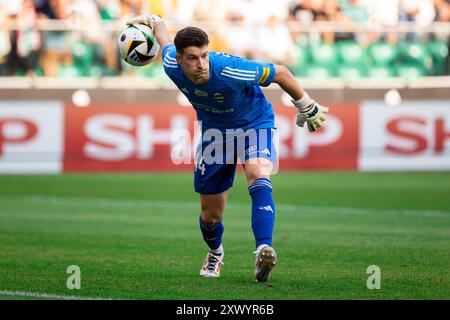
[
  {"x": 334, "y": 146},
  {"x": 136, "y": 137},
  {"x": 50, "y": 137},
  {"x": 142, "y": 137}
]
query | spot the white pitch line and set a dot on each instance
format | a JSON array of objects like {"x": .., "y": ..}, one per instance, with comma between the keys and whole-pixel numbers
[
  {"x": 45, "y": 295},
  {"x": 195, "y": 205}
]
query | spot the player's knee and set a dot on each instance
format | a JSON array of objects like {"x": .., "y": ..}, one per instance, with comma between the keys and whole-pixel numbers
[
  {"x": 211, "y": 215},
  {"x": 253, "y": 176},
  {"x": 261, "y": 169}
]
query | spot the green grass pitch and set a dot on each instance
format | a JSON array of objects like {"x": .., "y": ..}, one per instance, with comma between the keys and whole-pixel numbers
[{"x": 136, "y": 236}]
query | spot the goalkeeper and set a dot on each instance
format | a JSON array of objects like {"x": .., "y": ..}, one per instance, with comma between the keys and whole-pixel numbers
[{"x": 225, "y": 92}]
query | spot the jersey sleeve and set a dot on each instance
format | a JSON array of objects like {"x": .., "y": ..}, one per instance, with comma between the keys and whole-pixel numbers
[
  {"x": 168, "y": 58},
  {"x": 245, "y": 72}
]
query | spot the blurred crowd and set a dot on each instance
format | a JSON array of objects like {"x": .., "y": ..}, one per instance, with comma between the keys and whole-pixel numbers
[{"x": 264, "y": 30}]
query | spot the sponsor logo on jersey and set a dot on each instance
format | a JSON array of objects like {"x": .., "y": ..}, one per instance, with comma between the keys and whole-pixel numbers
[
  {"x": 211, "y": 109},
  {"x": 218, "y": 97},
  {"x": 200, "y": 93}
]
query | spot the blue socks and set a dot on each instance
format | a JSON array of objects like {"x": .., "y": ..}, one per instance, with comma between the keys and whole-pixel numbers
[
  {"x": 212, "y": 234},
  {"x": 263, "y": 211},
  {"x": 263, "y": 217}
]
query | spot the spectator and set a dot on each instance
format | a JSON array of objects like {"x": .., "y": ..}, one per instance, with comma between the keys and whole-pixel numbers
[
  {"x": 28, "y": 40},
  {"x": 333, "y": 13},
  {"x": 382, "y": 14},
  {"x": 442, "y": 10},
  {"x": 56, "y": 42},
  {"x": 256, "y": 29},
  {"x": 422, "y": 12},
  {"x": 128, "y": 9},
  {"x": 94, "y": 42},
  {"x": 239, "y": 36},
  {"x": 44, "y": 9},
  {"x": 5, "y": 39},
  {"x": 24, "y": 41},
  {"x": 274, "y": 42}
]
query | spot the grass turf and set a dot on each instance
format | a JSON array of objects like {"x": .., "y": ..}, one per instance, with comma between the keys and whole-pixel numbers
[{"x": 136, "y": 236}]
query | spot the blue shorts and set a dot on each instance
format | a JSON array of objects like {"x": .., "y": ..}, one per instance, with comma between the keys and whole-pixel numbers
[{"x": 217, "y": 155}]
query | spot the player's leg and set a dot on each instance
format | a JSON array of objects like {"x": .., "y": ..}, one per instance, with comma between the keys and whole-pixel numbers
[
  {"x": 211, "y": 226},
  {"x": 258, "y": 168},
  {"x": 263, "y": 216},
  {"x": 263, "y": 207},
  {"x": 212, "y": 209},
  {"x": 212, "y": 181}
]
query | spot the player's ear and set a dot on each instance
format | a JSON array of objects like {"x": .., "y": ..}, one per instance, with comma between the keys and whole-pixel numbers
[{"x": 178, "y": 57}]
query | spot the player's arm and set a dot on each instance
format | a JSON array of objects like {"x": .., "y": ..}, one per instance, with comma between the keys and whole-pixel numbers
[
  {"x": 309, "y": 111},
  {"x": 158, "y": 26},
  {"x": 162, "y": 35}
]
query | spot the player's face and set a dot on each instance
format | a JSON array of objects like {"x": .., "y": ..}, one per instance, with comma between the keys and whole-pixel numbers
[{"x": 195, "y": 63}]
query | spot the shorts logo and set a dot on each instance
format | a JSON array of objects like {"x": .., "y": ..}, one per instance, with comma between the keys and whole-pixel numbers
[
  {"x": 266, "y": 152},
  {"x": 250, "y": 150}
]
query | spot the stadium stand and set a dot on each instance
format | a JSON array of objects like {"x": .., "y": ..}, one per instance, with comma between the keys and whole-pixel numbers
[{"x": 329, "y": 38}]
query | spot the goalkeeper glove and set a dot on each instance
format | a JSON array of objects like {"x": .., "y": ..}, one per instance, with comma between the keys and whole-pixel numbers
[
  {"x": 148, "y": 19},
  {"x": 311, "y": 112}
]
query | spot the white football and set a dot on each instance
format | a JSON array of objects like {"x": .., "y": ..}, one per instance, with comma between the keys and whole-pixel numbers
[{"x": 138, "y": 45}]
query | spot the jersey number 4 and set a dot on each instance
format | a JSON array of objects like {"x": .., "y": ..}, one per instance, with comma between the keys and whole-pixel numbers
[{"x": 200, "y": 166}]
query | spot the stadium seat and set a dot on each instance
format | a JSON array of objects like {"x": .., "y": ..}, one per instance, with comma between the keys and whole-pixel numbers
[
  {"x": 302, "y": 60},
  {"x": 69, "y": 71},
  {"x": 94, "y": 71},
  {"x": 410, "y": 70},
  {"x": 351, "y": 53},
  {"x": 381, "y": 53},
  {"x": 439, "y": 53},
  {"x": 381, "y": 71},
  {"x": 324, "y": 55},
  {"x": 83, "y": 56},
  {"x": 154, "y": 70},
  {"x": 38, "y": 71},
  {"x": 319, "y": 71},
  {"x": 20, "y": 73},
  {"x": 144, "y": 72},
  {"x": 158, "y": 71},
  {"x": 109, "y": 72},
  {"x": 349, "y": 72},
  {"x": 416, "y": 52}
]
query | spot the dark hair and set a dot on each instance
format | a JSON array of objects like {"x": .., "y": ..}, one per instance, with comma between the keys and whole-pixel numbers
[{"x": 190, "y": 36}]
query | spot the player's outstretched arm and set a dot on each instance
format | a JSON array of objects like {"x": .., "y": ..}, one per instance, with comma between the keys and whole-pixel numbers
[
  {"x": 157, "y": 25},
  {"x": 309, "y": 111}
]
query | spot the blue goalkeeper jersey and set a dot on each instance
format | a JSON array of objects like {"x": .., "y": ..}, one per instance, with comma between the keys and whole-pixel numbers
[{"x": 232, "y": 97}]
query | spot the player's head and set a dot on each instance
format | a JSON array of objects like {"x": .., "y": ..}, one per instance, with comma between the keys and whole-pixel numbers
[{"x": 192, "y": 53}]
